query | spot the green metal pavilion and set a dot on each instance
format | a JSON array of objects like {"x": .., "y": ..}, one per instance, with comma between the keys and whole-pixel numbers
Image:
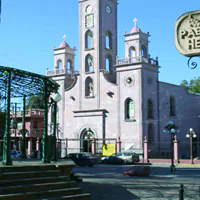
[{"x": 22, "y": 84}]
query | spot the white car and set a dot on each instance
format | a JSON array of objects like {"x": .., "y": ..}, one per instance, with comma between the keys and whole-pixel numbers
[{"x": 120, "y": 158}]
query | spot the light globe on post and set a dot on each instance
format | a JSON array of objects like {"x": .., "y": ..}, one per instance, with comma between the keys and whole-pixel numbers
[
  {"x": 172, "y": 129},
  {"x": 56, "y": 98},
  {"x": 191, "y": 134}
]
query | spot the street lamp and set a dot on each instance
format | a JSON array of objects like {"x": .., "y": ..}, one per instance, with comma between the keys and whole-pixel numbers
[
  {"x": 172, "y": 129},
  {"x": 191, "y": 134},
  {"x": 55, "y": 100}
]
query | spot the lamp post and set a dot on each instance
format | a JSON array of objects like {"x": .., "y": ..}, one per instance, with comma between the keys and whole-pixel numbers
[
  {"x": 55, "y": 99},
  {"x": 172, "y": 129},
  {"x": 191, "y": 134}
]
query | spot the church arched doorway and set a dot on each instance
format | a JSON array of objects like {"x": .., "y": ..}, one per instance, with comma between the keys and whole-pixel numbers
[{"x": 86, "y": 140}]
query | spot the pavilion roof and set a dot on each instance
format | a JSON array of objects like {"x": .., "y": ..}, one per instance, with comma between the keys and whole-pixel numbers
[{"x": 25, "y": 83}]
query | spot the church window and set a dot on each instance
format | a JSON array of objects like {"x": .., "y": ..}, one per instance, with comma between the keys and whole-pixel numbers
[
  {"x": 108, "y": 63},
  {"x": 89, "y": 63},
  {"x": 150, "y": 109},
  {"x": 59, "y": 64},
  {"x": 144, "y": 51},
  {"x": 89, "y": 40},
  {"x": 35, "y": 124},
  {"x": 132, "y": 52},
  {"x": 109, "y": 40},
  {"x": 172, "y": 106},
  {"x": 89, "y": 87},
  {"x": 150, "y": 134},
  {"x": 129, "y": 109},
  {"x": 69, "y": 65}
]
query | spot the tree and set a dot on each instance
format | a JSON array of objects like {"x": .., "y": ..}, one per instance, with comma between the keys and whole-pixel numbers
[
  {"x": 36, "y": 102},
  {"x": 193, "y": 85}
]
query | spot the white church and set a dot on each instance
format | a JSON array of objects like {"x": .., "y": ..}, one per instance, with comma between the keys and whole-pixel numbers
[{"x": 112, "y": 98}]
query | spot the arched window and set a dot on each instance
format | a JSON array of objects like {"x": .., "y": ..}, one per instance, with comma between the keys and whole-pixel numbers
[
  {"x": 172, "y": 106},
  {"x": 150, "y": 109},
  {"x": 69, "y": 65},
  {"x": 144, "y": 51},
  {"x": 109, "y": 40},
  {"x": 132, "y": 52},
  {"x": 150, "y": 134},
  {"x": 89, "y": 63},
  {"x": 89, "y": 40},
  {"x": 108, "y": 63},
  {"x": 89, "y": 87},
  {"x": 129, "y": 109},
  {"x": 59, "y": 64}
]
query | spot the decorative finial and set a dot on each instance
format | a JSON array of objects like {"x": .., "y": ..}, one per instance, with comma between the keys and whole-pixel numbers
[
  {"x": 135, "y": 21},
  {"x": 64, "y": 37}
]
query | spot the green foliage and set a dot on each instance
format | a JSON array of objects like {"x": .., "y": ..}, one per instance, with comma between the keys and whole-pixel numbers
[
  {"x": 36, "y": 102},
  {"x": 193, "y": 85}
]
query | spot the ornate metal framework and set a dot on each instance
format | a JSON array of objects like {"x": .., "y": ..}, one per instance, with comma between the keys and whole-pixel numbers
[
  {"x": 19, "y": 83},
  {"x": 25, "y": 83},
  {"x": 192, "y": 64}
]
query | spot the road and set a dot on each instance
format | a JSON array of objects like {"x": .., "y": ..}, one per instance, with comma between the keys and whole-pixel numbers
[{"x": 106, "y": 182}]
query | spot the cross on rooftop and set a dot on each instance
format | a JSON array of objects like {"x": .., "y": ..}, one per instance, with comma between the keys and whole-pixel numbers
[
  {"x": 135, "y": 21},
  {"x": 64, "y": 37}
]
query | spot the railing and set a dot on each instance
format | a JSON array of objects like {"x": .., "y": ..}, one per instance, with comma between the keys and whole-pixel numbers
[
  {"x": 138, "y": 59},
  {"x": 61, "y": 72},
  {"x": 29, "y": 113},
  {"x": 32, "y": 132}
]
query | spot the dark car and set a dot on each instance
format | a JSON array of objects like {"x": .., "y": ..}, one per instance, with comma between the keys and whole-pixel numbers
[{"x": 83, "y": 159}]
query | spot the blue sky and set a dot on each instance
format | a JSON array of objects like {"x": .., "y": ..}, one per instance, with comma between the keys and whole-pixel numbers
[{"x": 30, "y": 28}]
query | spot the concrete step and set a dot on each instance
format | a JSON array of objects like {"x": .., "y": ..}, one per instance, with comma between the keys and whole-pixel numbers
[
  {"x": 35, "y": 187},
  {"x": 23, "y": 181},
  {"x": 86, "y": 196},
  {"x": 28, "y": 174},
  {"x": 25, "y": 168},
  {"x": 42, "y": 194}
]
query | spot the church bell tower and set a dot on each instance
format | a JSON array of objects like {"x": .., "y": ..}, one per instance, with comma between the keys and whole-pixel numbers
[{"x": 98, "y": 47}]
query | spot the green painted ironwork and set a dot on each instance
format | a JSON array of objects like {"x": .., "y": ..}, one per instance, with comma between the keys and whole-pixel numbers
[
  {"x": 7, "y": 145},
  {"x": 19, "y": 83},
  {"x": 45, "y": 157},
  {"x": 54, "y": 131},
  {"x": 24, "y": 129}
]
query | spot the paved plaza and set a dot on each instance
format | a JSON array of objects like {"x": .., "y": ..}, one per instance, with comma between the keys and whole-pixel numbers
[{"x": 106, "y": 182}]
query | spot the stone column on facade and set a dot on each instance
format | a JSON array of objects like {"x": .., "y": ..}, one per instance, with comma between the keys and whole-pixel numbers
[
  {"x": 119, "y": 145},
  {"x": 93, "y": 146},
  {"x": 176, "y": 149},
  {"x": 145, "y": 149},
  {"x": 20, "y": 144},
  {"x": 29, "y": 147}
]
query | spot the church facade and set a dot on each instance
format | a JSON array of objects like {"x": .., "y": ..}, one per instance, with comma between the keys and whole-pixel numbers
[{"x": 112, "y": 98}]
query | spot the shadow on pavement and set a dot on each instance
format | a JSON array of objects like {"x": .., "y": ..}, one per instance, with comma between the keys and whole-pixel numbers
[{"x": 102, "y": 191}]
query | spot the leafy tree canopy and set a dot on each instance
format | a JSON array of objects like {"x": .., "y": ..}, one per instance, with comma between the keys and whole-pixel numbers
[
  {"x": 35, "y": 102},
  {"x": 193, "y": 85}
]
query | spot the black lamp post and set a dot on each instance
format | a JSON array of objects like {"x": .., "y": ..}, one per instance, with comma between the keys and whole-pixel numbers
[
  {"x": 191, "y": 134},
  {"x": 172, "y": 129},
  {"x": 55, "y": 99}
]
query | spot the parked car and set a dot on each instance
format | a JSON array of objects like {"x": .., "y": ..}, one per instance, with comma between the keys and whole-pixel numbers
[
  {"x": 83, "y": 158},
  {"x": 15, "y": 154},
  {"x": 121, "y": 158}
]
